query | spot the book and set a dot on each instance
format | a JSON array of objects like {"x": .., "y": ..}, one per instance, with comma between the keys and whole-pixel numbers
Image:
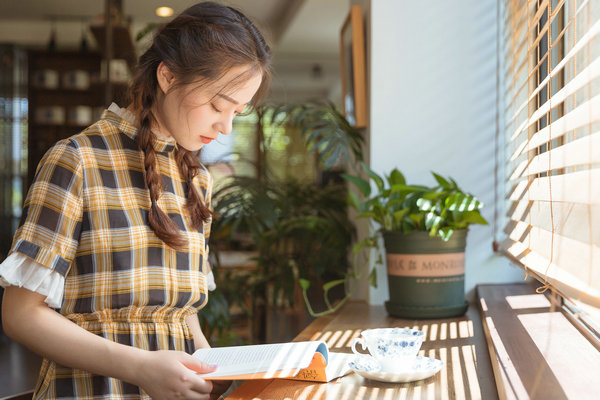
[{"x": 310, "y": 361}]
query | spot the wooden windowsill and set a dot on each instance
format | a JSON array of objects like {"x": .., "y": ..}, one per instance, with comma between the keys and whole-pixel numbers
[{"x": 536, "y": 352}]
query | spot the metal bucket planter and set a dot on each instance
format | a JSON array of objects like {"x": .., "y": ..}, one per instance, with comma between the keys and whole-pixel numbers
[{"x": 426, "y": 276}]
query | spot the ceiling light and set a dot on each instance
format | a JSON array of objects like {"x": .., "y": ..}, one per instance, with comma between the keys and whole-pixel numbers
[{"x": 164, "y": 12}]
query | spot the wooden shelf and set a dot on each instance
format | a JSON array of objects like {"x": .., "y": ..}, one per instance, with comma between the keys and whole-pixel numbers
[{"x": 41, "y": 136}]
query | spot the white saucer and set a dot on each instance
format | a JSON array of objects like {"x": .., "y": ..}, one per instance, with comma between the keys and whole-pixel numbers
[{"x": 368, "y": 367}]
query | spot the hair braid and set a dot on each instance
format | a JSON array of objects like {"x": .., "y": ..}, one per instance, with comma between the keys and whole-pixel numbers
[
  {"x": 162, "y": 225},
  {"x": 189, "y": 167}
]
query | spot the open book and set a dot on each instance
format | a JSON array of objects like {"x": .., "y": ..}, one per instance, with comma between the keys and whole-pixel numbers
[{"x": 309, "y": 361}]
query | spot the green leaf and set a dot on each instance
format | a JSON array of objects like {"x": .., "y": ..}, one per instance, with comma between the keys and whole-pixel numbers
[
  {"x": 387, "y": 222},
  {"x": 317, "y": 138},
  {"x": 396, "y": 178},
  {"x": 332, "y": 158},
  {"x": 361, "y": 184},
  {"x": 361, "y": 245},
  {"x": 329, "y": 285},
  {"x": 404, "y": 189},
  {"x": 376, "y": 178},
  {"x": 373, "y": 277},
  {"x": 433, "y": 196},
  {"x": 432, "y": 220},
  {"x": 445, "y": 233},
  {"x": 424, "y": 204},
  {"x": 399, "y": 216},
  {"x": 408, "y": 226},
  {"x": 463, "y": 202},
  {"x": 367, "y": 214},
  {"x": 441, "y": 181},
  {"x": 304, "y": 283},
  {"x": 474, "y": 217},
  {"x": 353, "y": 200},
  {"x": 416, "y": 218},
  {"x": 455, "y": 185}
]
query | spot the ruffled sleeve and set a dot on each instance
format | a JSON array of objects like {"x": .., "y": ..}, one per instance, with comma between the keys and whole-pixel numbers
[
  {"x": 210, "y": 281},
  {"x": 20, "y": 270}
]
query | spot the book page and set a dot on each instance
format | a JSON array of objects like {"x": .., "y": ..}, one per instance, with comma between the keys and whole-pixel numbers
[
  {"x": 278, "y": 359},
  {"x": 338, "y": 365}
]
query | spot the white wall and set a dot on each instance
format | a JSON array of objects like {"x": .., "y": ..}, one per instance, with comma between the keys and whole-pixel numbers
[{"x": 432, "y": 107}]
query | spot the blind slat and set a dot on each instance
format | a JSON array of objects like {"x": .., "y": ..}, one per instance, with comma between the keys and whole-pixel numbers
[
  {"x": 576, "y": 187},
  {"x": 571, "y": 220},
  {"x": 571, "y": 255},
  {"x": 567, "y": 284},
  {"x": 583, "y": 115},
  {"x": 585, "y": 150}
]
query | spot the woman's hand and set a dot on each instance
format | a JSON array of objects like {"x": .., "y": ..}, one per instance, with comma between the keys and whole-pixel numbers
[
  {"x": 167, "y": 375},
  {"x": 200, "y": 342}
]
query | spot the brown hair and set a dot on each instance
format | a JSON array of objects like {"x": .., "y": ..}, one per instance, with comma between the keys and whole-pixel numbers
[{"x": 199, "y": 46}]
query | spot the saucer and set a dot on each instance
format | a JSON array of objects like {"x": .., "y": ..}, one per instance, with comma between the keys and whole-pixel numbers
[{"x": 368, "y": 367}]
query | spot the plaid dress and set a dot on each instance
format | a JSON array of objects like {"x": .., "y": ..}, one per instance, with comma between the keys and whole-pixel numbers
[{"x": 86, "y": 217}]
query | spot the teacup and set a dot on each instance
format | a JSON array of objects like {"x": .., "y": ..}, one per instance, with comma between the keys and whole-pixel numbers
[{"x": 394, "y": 348}]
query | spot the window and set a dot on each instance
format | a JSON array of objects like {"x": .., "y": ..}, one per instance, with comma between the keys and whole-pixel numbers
[{"x": 551, "y": 85}]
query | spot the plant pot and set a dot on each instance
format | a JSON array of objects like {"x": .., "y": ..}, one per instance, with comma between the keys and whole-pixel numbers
[{"x": 426, "y": 276}]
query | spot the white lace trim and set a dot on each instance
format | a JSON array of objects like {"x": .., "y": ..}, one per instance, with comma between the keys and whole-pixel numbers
[
  {"x": 210, "y": 279},
  {"x": 20, "y": 270}
]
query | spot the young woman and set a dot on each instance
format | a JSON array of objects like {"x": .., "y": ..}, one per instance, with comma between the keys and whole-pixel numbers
[{"x": 109, "y": 265}]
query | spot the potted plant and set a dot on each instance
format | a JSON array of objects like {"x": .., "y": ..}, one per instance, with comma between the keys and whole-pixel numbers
[{"x": 424, "y": 231}]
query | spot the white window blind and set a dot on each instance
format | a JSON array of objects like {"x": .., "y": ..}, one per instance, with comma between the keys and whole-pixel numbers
[{"x": 551, "y": 75}]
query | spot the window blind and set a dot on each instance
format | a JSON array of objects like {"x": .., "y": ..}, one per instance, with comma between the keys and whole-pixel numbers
[{"x": 551, "y": 73}]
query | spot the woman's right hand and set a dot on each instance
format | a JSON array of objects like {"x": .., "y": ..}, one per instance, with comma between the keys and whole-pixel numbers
[{"x": 168, "y": 375}]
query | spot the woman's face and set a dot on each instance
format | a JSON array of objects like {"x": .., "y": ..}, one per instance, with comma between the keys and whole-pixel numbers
[{"x": 195, "y": 116}]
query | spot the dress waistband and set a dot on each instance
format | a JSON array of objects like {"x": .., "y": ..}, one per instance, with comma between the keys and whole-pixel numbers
[{"x": 134, "y": 314}]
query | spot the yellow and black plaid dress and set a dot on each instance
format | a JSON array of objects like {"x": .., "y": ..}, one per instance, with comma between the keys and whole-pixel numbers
[{"x": 86, "y": 217}]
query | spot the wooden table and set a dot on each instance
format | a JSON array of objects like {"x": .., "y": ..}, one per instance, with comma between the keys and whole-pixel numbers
[{"x": 459, "y": 342}]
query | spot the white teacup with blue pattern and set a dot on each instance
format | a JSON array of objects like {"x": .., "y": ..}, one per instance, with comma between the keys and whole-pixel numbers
[{"x": 394, "y": 348}]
